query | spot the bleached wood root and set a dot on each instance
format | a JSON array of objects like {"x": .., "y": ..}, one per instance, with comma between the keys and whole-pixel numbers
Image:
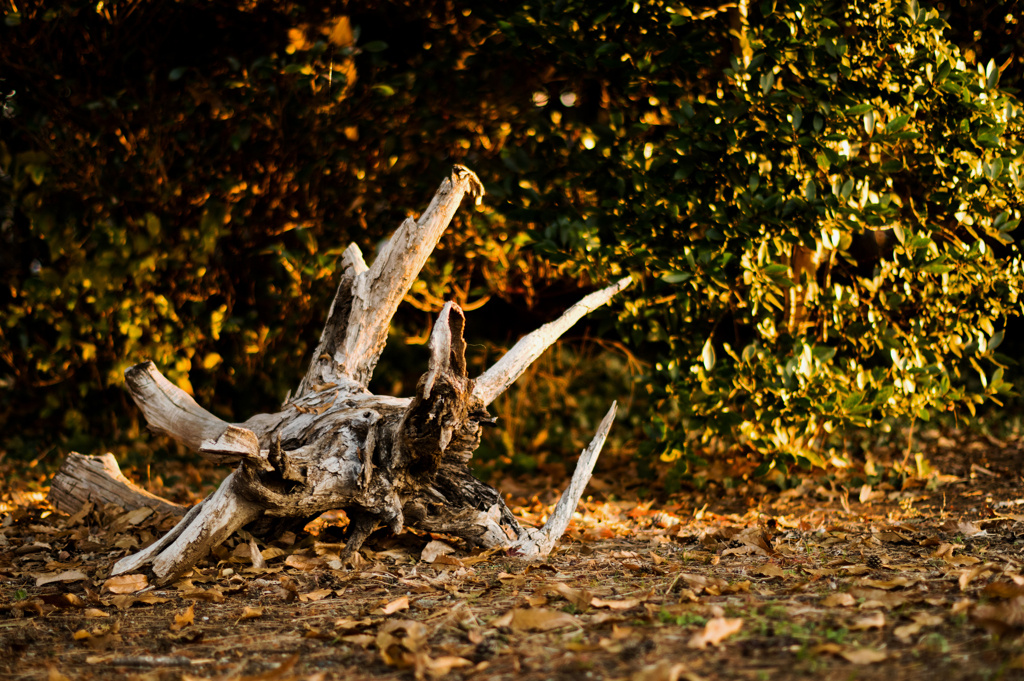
[
  {"x": 539, "y": 542},
  {"x": 169, "y": 410},
  {"x": 145, "y": 556},
  {"x": 334, "y": 445},
  {"x": 511, "y": 366},
  {"x": 86, "y": 479},
  {"x": 206, "y": 525}
]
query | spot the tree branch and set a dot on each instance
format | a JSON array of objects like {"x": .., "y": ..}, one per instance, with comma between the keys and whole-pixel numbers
[
  {"x": 539, "y": 542},
  {"x": 357, "y": 326},
  {"x": 506, "y": 370},
  {"x": 170, "y": 410}
]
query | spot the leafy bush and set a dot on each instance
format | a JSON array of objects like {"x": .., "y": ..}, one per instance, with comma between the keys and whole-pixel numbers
[
  {"x": 823, "y": 228},
  {"x": 818, "y": 200}
]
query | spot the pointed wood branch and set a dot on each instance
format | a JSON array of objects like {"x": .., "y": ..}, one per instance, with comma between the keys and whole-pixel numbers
[
  {"x": 357, "y": 325},
  {"x": 440, "y": 410},
  {"x": 506, "y": 370},
  {"x": 170, "y": 410},
  {"x": 539, "y": 542},
  {"x": 206, "y": 525}
]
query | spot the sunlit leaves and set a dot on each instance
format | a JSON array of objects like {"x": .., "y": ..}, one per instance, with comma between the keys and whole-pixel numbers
[{"x": 859, "y": 158}]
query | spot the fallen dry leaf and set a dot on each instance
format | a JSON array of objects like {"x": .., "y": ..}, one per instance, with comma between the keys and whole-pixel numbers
[
  {"x": 122, "y": 602},
  {"x": 54, "y": 675},
  {"x": 438, "y": 667},
  {"x": 281, "y": 672},
  {"x": 251, "y": 613},
  {"x": 130, "y": 519},
  {"x": 183, "y": 619},
  {"x": 624, "y": 604},
  {"x": 863, "y": 655},
  {"x": 1001, "y": 617},
  {"x": 970, "y": 575},
  {"x": 878, "y": 598},
  {"x": 66, "y": 576},
  {"x": 873, "y": 621},
  {"x": 888, "y": 585},
  {"x": 580, "y": 598},
  {"x": 399, "y": 640},
  {"x": 125, "y": 584},
  {"x": 448, "y": 560},
  {"x": 1004, "y": 590},
  {"x": 844, "y": 600},
  {"x": 361, "y": 640},
  {"x": 348, "y": 624},
  {"x": 396, "y": 605},
  {"x": 434, "y": 549},
  {"x": 304, "y": 563},
  {"x": 540, "y": 619},
  {"x": 94, "y": 613},
  {"x": 716, "y": 631},
  {"x": 257, "y": 558},
  {"x": 968, "y": 529},
  {"x": 63, "y": 600},
  {"x": 770, "y": 570},
  {"x": 208, "y": 595},
  {"x": 317, "y": 595},
  {"x": 904, "y": 632},
  {"x": 664, "y": 671}
]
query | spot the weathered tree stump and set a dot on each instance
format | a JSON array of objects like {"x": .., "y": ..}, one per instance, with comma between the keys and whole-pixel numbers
[
  {"x": 98, "y": 479},
  {"x": 396, "y": 461}
]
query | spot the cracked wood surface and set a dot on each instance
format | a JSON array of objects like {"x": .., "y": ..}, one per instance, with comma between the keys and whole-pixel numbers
[{"x": 383, "y": 460}]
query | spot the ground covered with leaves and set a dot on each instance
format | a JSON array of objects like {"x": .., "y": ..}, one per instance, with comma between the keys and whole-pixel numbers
[{"x": 856, "y": 574}]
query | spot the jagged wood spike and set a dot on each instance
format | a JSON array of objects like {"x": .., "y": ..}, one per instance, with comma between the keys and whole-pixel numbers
[
  {"x": 169, "y": 410},
  {"x": 328, "y": 360},
  {"x": 511, "y": 366},
  {"x": 383, "y": 460},
  {"x": 539, "y": 542}
]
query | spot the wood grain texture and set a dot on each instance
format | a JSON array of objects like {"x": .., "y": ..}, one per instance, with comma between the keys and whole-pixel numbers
[
  {"x": 98, "y": 479},
  {"x": 334, "y": 445}
]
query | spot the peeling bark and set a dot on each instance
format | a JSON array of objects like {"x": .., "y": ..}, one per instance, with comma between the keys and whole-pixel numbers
[{"x": 384, "y": 460}]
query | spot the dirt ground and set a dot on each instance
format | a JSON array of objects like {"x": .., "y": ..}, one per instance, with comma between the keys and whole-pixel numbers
[{"x": 858, "y": 574}]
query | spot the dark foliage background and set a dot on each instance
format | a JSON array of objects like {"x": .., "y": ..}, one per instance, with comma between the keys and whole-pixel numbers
[{"x": 179, "y": 180}]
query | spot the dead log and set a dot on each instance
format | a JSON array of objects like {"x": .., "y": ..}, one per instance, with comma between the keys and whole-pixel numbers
[
  {"x": 334, "y": 445},
  {"x": 97, "y": 479}
]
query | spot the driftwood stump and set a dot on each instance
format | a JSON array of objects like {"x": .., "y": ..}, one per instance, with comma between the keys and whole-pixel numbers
[{"x": 334, "y": 445}]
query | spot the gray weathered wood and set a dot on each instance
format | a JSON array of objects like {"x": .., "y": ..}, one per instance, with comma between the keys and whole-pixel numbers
[
  {"x": 511, "y": 366},
  {"x": 86, "y": 479},
  {"x": 384, "y": 460}
]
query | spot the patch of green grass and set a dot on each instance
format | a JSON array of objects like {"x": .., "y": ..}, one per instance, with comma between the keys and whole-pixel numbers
[
  {"x": 686, "y": 619},
  {"x": 779, "y": 627},
  {"x": 936, "y": 641},
  {"x": 836, "y": 635}
]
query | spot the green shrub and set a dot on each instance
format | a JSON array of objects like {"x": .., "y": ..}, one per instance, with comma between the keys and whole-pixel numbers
[{"x": 818, "y": 201}]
